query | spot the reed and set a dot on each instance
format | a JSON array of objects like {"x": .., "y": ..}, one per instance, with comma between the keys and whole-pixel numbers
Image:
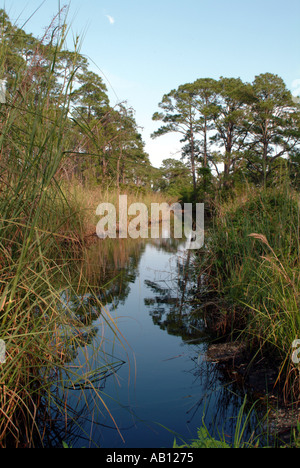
[
  {"x": 39, "y": 326},
  {"x": 84, "y": 201},
  {"x": 252, "y": 263}
]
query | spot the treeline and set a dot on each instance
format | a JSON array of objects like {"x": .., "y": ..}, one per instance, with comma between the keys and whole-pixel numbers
[
  {"x": 231, "y": 131},
  {"x": 102, "y": 143},
  {"x": 234, "y": 131}
]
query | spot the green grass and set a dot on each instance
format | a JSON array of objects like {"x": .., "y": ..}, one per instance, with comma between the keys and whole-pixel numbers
[
  {"x": 40, "y": 330},
  {"x": 239, "y": 440},
  {"x": 252, "y": 263}
]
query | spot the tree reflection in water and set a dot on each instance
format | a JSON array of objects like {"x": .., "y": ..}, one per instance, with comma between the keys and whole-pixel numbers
[
  {"x": 113, "y": 268},
  {"x": 172, "y": 307}
]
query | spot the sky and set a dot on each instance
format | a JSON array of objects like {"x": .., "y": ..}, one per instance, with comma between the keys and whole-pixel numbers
[{"x": 145, "y": 48}]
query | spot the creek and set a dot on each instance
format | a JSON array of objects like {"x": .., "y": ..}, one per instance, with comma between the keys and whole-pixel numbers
[{"x": 154, "y": 384}]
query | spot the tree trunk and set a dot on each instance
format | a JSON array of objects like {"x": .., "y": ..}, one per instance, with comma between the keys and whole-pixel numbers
[
  {"x": 118, "y": 172},
  {"x": 193, "y": 162},
  {"x": 228, "y": 160},
  {"x": 104, "y": 166},
  {"x": 265, "y": 153},
  {"x": 205, "y": 143}
]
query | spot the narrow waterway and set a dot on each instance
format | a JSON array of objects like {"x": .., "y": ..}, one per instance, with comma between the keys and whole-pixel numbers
[{"x": 161, "y": 386}]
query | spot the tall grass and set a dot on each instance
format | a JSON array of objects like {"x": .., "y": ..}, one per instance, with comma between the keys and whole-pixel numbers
[
  {"x": 84, "y": 201},
  {"x": 36, "y": 268},
  {"x": 253, "y": 264}
]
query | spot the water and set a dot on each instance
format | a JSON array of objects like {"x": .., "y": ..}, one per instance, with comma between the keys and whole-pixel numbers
[{"x": 160, "y": 386}]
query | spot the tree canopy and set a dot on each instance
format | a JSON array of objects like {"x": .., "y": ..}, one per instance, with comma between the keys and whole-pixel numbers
[
  {"x": 234, "y": 129},
  {"x": 101, "y": 142},
  {"x": 230, "y": 130}
]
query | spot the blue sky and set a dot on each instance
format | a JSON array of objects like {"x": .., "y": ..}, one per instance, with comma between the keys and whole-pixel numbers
[{"x": 143, "y": 49}]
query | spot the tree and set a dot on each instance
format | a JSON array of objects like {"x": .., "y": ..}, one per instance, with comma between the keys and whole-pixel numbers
[
  {"x": 129, "y": 146},
  {"x": 205, "y": 90},
  {"x": 294, "y": 168},
  {"x": 92, "y": 117},
  {"x": 91, "y": 99},
  {"x": 229, "y": 113},
  {"x": 16, "y": 50},
  {"x": 273, "y": 125},
  {"x": 175, "y": 178},
  {"x": 70, "y": 65},
  {"x": 180, "y": 115},
  {"x": 43, "y": 79}
]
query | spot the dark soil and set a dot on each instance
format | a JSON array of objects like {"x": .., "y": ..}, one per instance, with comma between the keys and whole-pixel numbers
[{"x": 258, "y": 376}]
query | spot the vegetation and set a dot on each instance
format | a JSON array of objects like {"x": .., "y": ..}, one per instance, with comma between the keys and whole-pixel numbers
[
  {"x": 58, "y": 132},
  {"x": 205, "y": 440},
  {"x": 64, "y": 149},
  {"x": 242, "y": 148},
  {"x": 235, "y": 132},
  {"x": 253, "y": 266}
]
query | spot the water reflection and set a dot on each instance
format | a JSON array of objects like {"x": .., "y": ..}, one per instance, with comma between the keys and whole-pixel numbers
[
  {"x": 171, "y": 307},
  {"x": 154, "y": 381}
]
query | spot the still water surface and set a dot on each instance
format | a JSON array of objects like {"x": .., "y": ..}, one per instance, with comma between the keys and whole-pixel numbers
[{"x": 161, "y": 387}]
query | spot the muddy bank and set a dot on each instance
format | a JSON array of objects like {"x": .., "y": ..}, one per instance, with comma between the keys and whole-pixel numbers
[
  {"x": 257, "y": 373},
  {"x": 258, "y": 376}
]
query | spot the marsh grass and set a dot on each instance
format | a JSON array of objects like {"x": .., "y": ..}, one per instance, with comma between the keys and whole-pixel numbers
[
  {"x": 84, "y": 201},
  {"x": 40, "y": 329},
  {"x": 252, "y": 262}
]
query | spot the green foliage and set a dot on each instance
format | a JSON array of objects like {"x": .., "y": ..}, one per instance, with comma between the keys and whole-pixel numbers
[
  {"x": 40, "y": 255},
  {"x": 293, "y": 169},
  {"x": 90, "y": 98},
  {"x": 206, "y": 187},
  {"x": 272, "y": 213},
  {"x": 240, "y": 437},
  {"x": 273, "y": 124},
  {"x": 179, "y": 115},
  {"x": 254, "y": 125},
  {"x": 204, "y": 441},
  {"x": 174, "y": 179},
  {"x": 253, "y": 261},
  {"x": 101, "y": 143}
]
